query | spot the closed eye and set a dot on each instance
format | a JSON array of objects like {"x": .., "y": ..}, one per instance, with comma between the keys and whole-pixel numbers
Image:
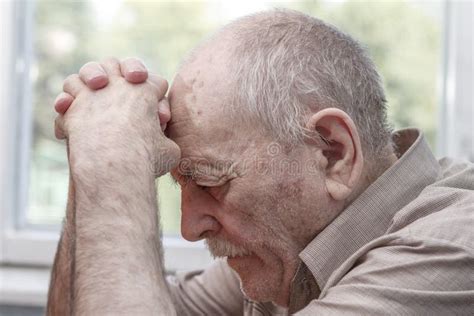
[
  {"x": 181, "y": 179},
  {"x": 204, "y": 187}
]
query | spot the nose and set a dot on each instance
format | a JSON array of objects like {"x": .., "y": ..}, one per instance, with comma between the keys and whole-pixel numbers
[{"x": 197, "y": 209}]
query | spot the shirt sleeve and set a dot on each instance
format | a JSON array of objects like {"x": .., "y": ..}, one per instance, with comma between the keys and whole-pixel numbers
[
  {"x": 213, "y": 291},
  {"x": 409, "y": 276}
]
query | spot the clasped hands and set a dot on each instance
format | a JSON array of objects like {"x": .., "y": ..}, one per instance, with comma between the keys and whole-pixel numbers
[{"x": 115, "y": 112}]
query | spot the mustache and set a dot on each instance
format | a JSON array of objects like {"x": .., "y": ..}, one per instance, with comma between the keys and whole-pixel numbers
[{"x": 220, "y": 248}]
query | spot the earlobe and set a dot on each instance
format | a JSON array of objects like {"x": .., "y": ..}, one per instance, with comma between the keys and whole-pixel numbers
[
  {"x": 341, "y": 149},
  {"x": 337, "y": 190}
]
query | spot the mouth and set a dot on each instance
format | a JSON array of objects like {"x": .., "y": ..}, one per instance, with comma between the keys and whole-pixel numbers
[
  {"x": 224, "y": 249},
  {"x": 239, "y": 253},
  {"x": 240, "y": 256},
  {"x": 238, "y": 262}
]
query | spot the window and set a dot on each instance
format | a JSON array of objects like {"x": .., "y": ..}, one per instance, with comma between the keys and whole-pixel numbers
[{"x": 422, "y": 49}]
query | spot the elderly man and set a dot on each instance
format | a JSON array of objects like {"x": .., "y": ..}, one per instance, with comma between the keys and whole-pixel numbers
[{"x": 288, "y": 169}]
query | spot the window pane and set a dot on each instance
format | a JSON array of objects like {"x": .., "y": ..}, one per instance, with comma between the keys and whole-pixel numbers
[{"x": 404, "y": 38}]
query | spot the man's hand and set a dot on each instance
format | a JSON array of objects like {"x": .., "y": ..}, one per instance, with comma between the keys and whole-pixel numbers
[
  {"x": 94, "y": 76},
  {"x": 121, "y": 122},
  {"x": 109, "y": 260}
]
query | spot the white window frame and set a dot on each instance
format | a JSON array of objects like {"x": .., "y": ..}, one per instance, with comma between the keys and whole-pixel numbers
[
  {"x": 456, "y": 110},
  {"x": 22, "y": 245}
]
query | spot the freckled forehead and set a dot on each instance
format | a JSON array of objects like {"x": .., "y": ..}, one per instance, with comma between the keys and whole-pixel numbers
[
  {"x": 200, "y": 92},
  {"x": 200, "y": 123},
  {"x": 196, "y": 126},
  {"x": 185, "y": 112}
]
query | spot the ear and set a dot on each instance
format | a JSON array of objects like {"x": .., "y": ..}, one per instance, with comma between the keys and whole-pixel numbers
[{"x": 341, "y": 151}]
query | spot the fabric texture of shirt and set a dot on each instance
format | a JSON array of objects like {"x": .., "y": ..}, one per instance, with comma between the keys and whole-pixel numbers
[{"x": 405, "y": 246}]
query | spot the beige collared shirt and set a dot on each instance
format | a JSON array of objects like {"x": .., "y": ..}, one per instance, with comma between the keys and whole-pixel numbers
[{"x": 405, "y": 246}]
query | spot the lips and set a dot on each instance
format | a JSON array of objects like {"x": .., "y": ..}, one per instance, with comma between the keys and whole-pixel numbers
[
  {"x": 242, "y": 255},
  {"x": 220, "y": 248},
  {"x": 243, "y": 262},
  {"x": 239, "y": 253}
]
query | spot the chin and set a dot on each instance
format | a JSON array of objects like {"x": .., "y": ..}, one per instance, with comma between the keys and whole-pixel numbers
[{"x": 260, "y": 282}]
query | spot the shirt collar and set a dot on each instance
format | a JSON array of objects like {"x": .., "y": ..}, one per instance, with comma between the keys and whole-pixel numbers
[{"x": 369, "y": 216}]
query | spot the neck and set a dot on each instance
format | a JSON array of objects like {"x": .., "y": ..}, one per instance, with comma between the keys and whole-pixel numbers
[{"x": 373, "y": 169}]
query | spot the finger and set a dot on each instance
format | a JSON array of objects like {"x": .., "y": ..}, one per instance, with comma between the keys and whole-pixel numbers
[
  {"x": 73, "y": 85},
  {"x": 59, "y": 127},
  {"x": 93, "y": 75},
  {"x": 63, "y": 102},
  {"x": 111, "y": 66},
  {"x": 134, "y": 70},
  {"x": 164, "y": 113},
  {"x": 160, "y": 84}
]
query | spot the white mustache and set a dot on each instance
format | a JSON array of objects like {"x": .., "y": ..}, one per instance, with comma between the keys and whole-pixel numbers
[{"x": 222, "y": 248}]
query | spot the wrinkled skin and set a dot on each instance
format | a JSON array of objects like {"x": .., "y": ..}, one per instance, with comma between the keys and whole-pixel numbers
[
  {"x": 105, "y": 123},
  {"x": 236, "y": 184},
  {"x": 109, "y": 259},
  {"x": 241, "y": 190}
]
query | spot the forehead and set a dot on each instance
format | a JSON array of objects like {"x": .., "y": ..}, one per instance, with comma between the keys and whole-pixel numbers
[{"x": 198, "y": 100}]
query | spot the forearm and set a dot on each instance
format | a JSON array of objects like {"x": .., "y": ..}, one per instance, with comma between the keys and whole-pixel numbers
[
  {"x": 118, "y": 264},
  {"x": 114, "y": 247},
  {"x": 60, "y": 295}
]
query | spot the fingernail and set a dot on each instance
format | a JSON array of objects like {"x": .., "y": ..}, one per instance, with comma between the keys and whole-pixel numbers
[
  {"x": 60, "y": 97},
  {"x": 138, "y": 67},
  {"x": 96, "y": 74},
  {"x": 97, "y": 82}
]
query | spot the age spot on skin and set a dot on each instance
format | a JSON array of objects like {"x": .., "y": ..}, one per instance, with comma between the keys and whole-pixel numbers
[
  {"x": 294, "y": 190},
  {"x": 187, "y": 88}
]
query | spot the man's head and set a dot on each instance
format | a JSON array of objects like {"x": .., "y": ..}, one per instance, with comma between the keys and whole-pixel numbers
[{"x": 274, "y": 116}]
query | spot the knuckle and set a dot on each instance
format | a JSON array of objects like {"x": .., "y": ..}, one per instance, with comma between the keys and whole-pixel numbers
[
  {"x": 112, "y": 67},
  {"x": 160, "y": 83},
  {"x": 70, "y": 80},
  {"x": 71, "y": 77},
  {"x": 132, "y": 60},
  {"x": 161, "y": 80},
  {"x": 59, "y": 121},
  {"x": 135, "y": 60},
  {"x": 110, "y": 61},
  {"x": 88, "y": 66},
  {"x": 58, "y": 127}
]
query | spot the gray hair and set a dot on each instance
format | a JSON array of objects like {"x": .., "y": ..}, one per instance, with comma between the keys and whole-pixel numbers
[{"x": 288, "y": 64}]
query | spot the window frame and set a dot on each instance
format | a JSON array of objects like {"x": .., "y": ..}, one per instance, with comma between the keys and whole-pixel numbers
[{"x": 456, "y": 82}]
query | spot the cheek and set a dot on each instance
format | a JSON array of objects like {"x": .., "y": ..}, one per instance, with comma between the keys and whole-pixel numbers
[
  {"x": 251, "y": 215},
  {"x": 195, "y": 200},
  {"x": 243, "y": 213}
]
